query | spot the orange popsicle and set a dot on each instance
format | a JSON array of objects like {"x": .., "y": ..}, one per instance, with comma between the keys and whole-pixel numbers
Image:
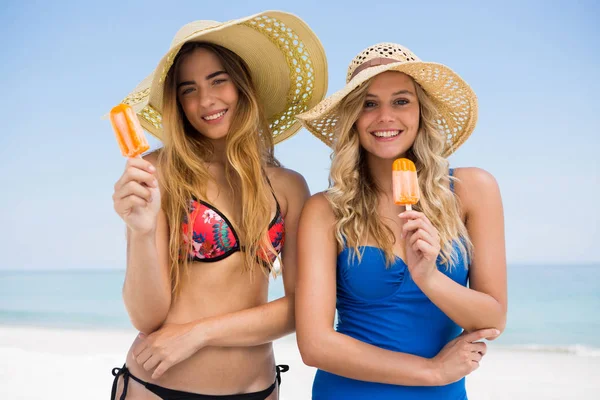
[
  {"x": 405, "y": 183},
  {"x": 128, "y": 130}
]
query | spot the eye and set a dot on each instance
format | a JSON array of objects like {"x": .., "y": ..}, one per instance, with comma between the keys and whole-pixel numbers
[
  {"x": 401, "y": 102},
  {"x": 187, "y": 91},
  {"x": 219, "y": 81},
  {"x": 370, "y": 104}
]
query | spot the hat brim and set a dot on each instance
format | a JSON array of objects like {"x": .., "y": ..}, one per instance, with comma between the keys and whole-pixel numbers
[
  {"x": 456, "y": 102},
  {"x": 285, "y": 58}
]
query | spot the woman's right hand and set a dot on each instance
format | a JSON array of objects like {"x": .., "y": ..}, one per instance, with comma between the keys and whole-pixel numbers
[
  {"x": 137, "y": 196},
  {"x": 461, "y": 356}
]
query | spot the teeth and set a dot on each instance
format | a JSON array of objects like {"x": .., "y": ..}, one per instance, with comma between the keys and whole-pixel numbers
[
  {"x": 214, "y": 116},
  {"x": 386, "y": 133}
]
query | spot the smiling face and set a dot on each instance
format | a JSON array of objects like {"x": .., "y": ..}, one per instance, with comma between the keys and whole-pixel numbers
[
  {"x": 206, "y": 92},
  {"x": 389, "y": 120}
]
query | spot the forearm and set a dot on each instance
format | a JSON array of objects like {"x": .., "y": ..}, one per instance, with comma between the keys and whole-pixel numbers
[
  {"x": 147, "y": 291},
  {"x": 470, "y": 309},
  {"x": 250, "y": 327},
  {"x": 345, "y": 356}
]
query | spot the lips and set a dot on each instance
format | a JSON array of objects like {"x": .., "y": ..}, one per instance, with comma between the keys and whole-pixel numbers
[
  {"x": 386, "y": 134},
  {"x": 214, "y": 116}
]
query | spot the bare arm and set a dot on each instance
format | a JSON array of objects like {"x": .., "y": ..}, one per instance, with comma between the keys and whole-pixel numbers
[
  {"x": 147, "y": 289},
  {"x": 484, "y": 303}
]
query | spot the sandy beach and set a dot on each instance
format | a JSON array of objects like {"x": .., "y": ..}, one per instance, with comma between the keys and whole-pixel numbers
[{"x": 38, "y": 363}]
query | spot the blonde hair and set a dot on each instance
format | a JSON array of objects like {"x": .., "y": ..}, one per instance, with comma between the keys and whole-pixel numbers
[
  {"x": 353, "y": 193},
  {"x": 184, "y": 176}
]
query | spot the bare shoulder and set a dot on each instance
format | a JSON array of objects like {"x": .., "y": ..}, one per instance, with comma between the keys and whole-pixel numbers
[
  {"x": 318, "y": 208},
  {"x": 286, "y": 179},
  {"x": 473, "y": 178},
  {"x": 475, "y": 185},
  {"x": 290, "y": 189}
]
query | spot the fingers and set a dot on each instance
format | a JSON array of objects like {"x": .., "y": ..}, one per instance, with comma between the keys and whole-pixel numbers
[
  {"x": 422, "y": 235},
  {"x": 473, "y": 354},
  {"x": 420, "y": 223},
  {"x": 128, "y": 203},
  {"x": 144, "y": 356},
  {"x": 478, "y": 347},
  {"x": 139, "y": 345},
  {"x": 414, "y": 215},
  {"x": 137, "y": 175},
  {"x": 151, "y": 363},
  {"x": 476, "y": 357},
  {"x": 481, "y": 334},
  {"x": 140, "y": 163},
  {"x": 429, "y": 252},
  {"x": 132, "y": 188},
  {"x": 161, "y": 369}
]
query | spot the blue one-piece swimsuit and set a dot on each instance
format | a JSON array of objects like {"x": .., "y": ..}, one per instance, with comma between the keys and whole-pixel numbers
[{"x": 385, "y": 308}]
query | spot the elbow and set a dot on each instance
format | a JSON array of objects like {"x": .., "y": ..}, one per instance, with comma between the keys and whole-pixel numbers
[
  {"x": 310, "y": 349},
  {"x": 309, "y": 356},
  {"x": 493, "y": 320},
  {"x": 143, "y": 319},
  {"x": 501, "y": 325},
  {"x": 144, "y": 326},
  {"x": 291, "y": 310},
  {"x": 146, "y": 322},
  {"x": 500, "y": 322}
]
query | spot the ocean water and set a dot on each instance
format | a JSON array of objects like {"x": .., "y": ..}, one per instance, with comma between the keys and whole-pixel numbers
[{"x": 551, "y": 308}]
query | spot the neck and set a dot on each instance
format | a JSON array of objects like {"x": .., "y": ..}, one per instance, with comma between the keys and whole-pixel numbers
[
  {"x": 381, "y": 172},
  {"x": 219, "y": 154}
]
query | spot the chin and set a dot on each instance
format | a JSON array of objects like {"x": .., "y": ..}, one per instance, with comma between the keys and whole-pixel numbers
[
  {"x": 217, "y": 136},
  {"x": 388, "y": 154},
  {"x": 214, "y": 134}
]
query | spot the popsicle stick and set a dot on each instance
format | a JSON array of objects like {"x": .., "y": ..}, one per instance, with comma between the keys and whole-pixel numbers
[{"x": 408, "y": 207}]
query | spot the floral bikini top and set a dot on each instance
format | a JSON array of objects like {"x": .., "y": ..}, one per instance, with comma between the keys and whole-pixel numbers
[{"x": 213, "y": 236}]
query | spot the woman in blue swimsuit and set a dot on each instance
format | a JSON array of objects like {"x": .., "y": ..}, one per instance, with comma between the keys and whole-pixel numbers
[{"x": 416, "y": 290}]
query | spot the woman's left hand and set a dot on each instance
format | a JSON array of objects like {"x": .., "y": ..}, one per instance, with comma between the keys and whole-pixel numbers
[
  {"x": 168, "y": 346},
  {"x": 422, "y": 243}
]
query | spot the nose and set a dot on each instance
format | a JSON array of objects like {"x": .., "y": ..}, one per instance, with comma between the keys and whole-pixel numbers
[
  {"x": 386, "y": 114},
  {"x": 207, "y": 100}
]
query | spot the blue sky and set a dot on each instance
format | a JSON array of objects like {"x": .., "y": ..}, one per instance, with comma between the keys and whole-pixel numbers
[{"x": 533, "y": 65}]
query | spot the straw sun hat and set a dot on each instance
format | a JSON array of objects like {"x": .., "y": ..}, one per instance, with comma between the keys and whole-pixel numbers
[
  {"x": 285, "y": 58},
  {"x": 455, "y": 100}
]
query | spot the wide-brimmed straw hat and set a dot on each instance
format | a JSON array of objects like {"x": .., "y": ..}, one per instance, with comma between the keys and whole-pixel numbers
[
  {"x": 454, "y": 99},
  {"x": 285, "y": 58}
]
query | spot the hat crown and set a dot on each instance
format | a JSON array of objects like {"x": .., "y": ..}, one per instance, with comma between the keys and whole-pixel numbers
[
  {"x": 191, "y": 28},
  {"x": 381, "y": 50}
]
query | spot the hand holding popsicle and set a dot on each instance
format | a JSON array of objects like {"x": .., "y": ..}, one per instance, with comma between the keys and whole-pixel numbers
[
  {"x": 421, "y": 237},
  {"x": 137, "y": 196}
]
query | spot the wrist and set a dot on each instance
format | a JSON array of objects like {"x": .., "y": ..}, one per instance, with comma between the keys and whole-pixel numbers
[
  {"x": 142, "y": 235},
  {"x": 433, "y": 374},
  {"x": 204, "y": 333},
  {"x": 426, "y": 281}
]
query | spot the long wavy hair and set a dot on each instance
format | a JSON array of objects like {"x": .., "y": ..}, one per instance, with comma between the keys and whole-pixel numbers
[
  {"x": 354, "y": 194},
  {"x": 184, "y": 174}
]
